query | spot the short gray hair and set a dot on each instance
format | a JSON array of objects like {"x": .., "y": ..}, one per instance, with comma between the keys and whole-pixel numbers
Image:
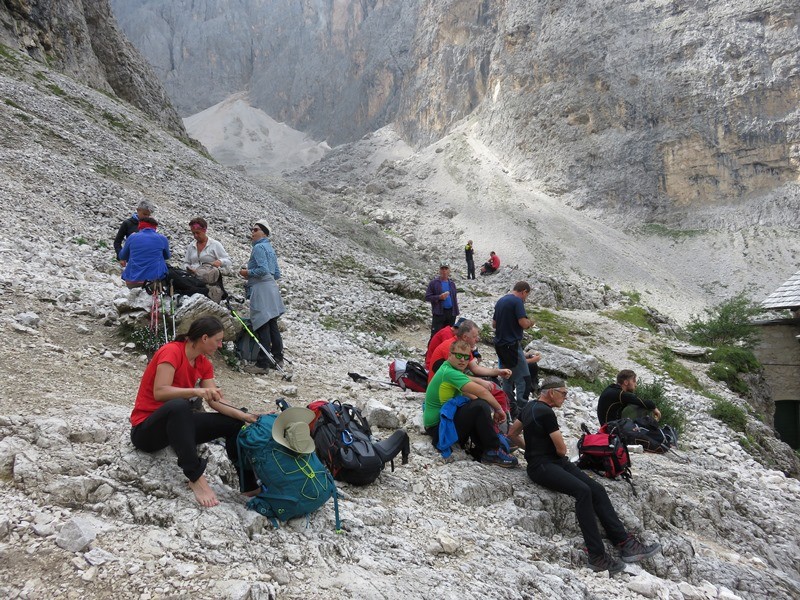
[
  {"x": 146, "y": 205},
  {"x": 551, "y": 382}
]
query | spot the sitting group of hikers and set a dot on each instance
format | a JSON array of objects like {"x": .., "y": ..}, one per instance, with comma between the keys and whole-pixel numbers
[
  {"x": 143, "y": 253},
  {"x": 461, "y": 406}
]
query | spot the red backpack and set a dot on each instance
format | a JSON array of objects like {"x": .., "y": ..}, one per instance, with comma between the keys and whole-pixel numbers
[
  {"x": 605, "y": 453},
  {"x": 409, "y": 375}
]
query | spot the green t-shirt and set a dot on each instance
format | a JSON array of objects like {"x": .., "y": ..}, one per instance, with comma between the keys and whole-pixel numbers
[{"x": 446, "y": 384}]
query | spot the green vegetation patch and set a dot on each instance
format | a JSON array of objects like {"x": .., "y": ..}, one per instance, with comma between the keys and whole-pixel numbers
[
  {"x": 56, "y": 90},
  {"x": 555, "y": 329},
  {"x": 635, "y": 315},
  {"x": 670, "y": 413},
  {"x": 728, "y": 374},
  {"x": 116, "y": 121},
  {"x": 678, "y": 372},
  {"x": 741, "y": 359},
  {"x": 596, "y": 386},
  {"x": 726, "y": 324},
  {"x": 146, "y": 340},
  {"x": 13, "y": 104},
  {"x": 730, "y": 414}
]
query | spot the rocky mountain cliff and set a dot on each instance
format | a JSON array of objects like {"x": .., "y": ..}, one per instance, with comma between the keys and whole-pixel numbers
[
  {"x": 86, "y": 516},
  {"x": 81, "y": 39},
  {"x": 652, "y": 108}
]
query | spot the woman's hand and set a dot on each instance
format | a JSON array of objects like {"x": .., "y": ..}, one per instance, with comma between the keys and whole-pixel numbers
[{"x": 209, "y": 393}]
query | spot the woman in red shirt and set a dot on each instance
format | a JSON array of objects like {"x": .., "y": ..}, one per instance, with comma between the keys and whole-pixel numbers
[{"x": 162, "y": 415}]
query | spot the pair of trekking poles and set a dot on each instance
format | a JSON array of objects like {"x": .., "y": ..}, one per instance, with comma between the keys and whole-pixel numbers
[
  {"x": 157, "y": 305},
  {"x": 284, "y": 375}
]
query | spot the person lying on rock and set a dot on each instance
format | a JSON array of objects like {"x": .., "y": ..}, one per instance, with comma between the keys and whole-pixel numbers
[
  {"x": 162, "y": 415},
  {"x": 538, "y": 432},
  {"x": 618, "y": 400},
  {"x": 478, "y": 409}
]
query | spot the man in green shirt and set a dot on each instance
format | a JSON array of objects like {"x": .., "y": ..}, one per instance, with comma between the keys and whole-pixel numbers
[{"x": 475, "y": 417}]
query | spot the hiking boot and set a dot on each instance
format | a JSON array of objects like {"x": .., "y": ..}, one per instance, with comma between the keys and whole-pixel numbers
[
  {"x": 605, "y": 562},
  {"x": 632, "y": 550},
  {"x": 255, "y": 370},
  {"x": 500, "y": 458}
]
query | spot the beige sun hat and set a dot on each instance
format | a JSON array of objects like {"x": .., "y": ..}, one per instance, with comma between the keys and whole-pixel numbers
[
  {"x": 265, "y": 226},
  {"x": 291, "y": 430}
]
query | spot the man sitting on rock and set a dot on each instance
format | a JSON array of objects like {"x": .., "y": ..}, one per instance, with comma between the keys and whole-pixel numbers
[
  {"x": 619, "y": 398},
  {"x": 477, "y": 411},
  {"x": 491, "y": 265},
  {"x": 549, "y": 466},
  {"x": 446, "y": 333}
]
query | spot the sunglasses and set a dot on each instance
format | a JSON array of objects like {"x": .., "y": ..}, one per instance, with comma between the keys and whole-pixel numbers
[
  {"x": 256, "y": 229},
  {"x": 460, "y": 356}
]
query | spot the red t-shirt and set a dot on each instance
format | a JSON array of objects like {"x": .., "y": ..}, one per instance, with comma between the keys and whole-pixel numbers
[
  {"x": 445, "y": 333},
  {"x": 495, "y": 262},
  {"x": 442, "y": 351},
  {"x": 186, "y": 376}
]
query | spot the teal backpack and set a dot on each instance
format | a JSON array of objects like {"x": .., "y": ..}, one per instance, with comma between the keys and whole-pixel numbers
[{"x": 292, "y": 484}]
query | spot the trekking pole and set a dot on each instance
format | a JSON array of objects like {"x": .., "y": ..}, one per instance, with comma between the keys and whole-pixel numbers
[
  {"x": 172, "y": 306},
  {"x": 360, "y": 378},
  {"x": 286, "y": 376},
  {"x": 163, "y": 312}
]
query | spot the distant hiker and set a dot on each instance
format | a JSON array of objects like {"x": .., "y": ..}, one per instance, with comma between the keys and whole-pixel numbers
[
  {"x": 467, "y": 332},
  {"x": 205, "y": 258},
  {"x": 442, "y": 295},
  {"x": 549, "y": 466},
  {"x": 145, "y": 255},
  {"x": 491, "y": 265},
  {"x": 475, "y": 415},
  {"x": 469, "y": 253},
  {"x": 448, "y": 332},
  {"x": 619, "y": 397},
  {"x": 162, "y": 415},
  {"x": 262, "y": 273},
  {"x": 509, "y": 321},
  {"x": 130, "y": 226}
]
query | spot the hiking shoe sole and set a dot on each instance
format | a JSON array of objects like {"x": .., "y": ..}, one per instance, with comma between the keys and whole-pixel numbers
[
  {"x": 651, "y": 550},
  {"x": 609, "y": 564}
]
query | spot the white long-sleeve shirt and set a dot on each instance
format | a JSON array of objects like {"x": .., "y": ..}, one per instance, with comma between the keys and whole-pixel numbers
[{"x": 212, "y": 252}]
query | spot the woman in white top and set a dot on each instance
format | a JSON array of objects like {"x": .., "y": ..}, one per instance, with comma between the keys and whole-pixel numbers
[{"x": 205, "y": 257}]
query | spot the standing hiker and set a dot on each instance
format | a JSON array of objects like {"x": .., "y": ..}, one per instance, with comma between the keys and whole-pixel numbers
[
  {"x": 145, "y": 255},
  {"x": 442, "y": 295},
  {"x": 266, "y": 305},
  {"x": 130, "y": 226},
  {"x": 509, "y": 321},
  {"x": 205, "y": 258},
  {"x": 550, "y": 467},
  {"x": 162, "y": 415},
  {"x": 469, "y": 254}
]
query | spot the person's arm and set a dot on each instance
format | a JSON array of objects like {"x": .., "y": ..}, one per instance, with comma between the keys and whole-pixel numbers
[
  {"x": 525, "y": 322},
  {"x": 166, "y": 253},
  {"x": 481, "y": 371},
  {"x": 629, "y": 399},
  {"x": 122, "y": 233},
  {"x": 163, "y": 389},
  {"x": 222, "y": 261},
  {"x": 559, "y": 443},
  {"x": 473, "y": 389},
  {"x": 225, "y": 409},
  {"x": 259, "y": 256},
  {"x": 514, "y": 434},
  {"x": 125, "y": 253},
  {"x": 430, "y": 293}
]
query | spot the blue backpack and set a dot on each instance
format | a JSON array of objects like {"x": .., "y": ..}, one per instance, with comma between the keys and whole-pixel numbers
[{"x": 292, "y": 484}]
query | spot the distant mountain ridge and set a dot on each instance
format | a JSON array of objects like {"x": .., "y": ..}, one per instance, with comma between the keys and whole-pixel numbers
[{"x": 647, "y": 108}]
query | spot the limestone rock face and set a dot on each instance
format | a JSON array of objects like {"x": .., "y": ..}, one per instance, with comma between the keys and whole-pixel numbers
[
  {"x": 645, "y": 107},
  {"x": 81, "y": 39}
]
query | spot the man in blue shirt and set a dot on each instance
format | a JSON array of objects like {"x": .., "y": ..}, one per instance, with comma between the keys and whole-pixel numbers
[
  {"x": 441, "y": 293},
  {"x": 510, "y": 321}
]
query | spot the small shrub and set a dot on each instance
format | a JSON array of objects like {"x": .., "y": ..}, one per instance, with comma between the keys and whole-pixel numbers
[
  {"x": 633, "y": 297},
  {"x": 726, "y": 324},
  {"x": 741, "y": 359},
  {"x": 670, "y": 413},
  {"x": 728, "y": 374},
  {"x": 635, "y": 315},
  {"x": 730, "y": 414},
  {"x": 146, "y": 340}
]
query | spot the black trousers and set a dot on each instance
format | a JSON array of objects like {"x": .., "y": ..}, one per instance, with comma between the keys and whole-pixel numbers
[
  {"x": 438, "y": 321},
  {"x": 270, "y": 337},
  {"x": 473, "y": 421},
  {"x": 470, "y": 268},
  {"x": 175, "y": 425},
  {"x": 591, "y": 500}
]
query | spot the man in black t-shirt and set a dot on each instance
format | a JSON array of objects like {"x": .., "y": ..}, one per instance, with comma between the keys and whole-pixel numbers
[
  {"x": 548, "y": 465},
  {"x": 620, "y": 396}
]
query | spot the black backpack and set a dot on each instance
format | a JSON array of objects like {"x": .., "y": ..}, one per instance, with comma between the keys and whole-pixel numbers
[
  {"x": 645, "y": 432},
  {"x": 409, "y": 375},
  {"x": 185, "y": 283},
  {"x": 345, "y": 444}
]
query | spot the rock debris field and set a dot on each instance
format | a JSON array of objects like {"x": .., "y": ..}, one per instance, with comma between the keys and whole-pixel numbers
[{"x": 84, "y": 515}]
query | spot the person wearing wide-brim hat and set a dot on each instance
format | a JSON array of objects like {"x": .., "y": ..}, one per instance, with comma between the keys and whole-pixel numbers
[
  {"x": 291, "y": 430},
  {"x": 266, "y": 305}
]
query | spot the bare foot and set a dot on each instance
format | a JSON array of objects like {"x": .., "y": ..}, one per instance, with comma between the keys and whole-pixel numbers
[
  {"x": 252, "y": 493},
  {"x": 203, "y": 492}
]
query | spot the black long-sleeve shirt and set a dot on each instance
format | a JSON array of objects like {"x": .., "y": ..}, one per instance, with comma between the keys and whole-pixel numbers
[{"x": 614, "y": 399}]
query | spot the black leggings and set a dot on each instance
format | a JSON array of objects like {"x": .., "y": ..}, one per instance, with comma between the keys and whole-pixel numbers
[
  {"x": 472, "y": 420},
  {"x": 590, "y": 499},
  {"x": 270, "y": 337},
  {"x": 175, "y": 425}
]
